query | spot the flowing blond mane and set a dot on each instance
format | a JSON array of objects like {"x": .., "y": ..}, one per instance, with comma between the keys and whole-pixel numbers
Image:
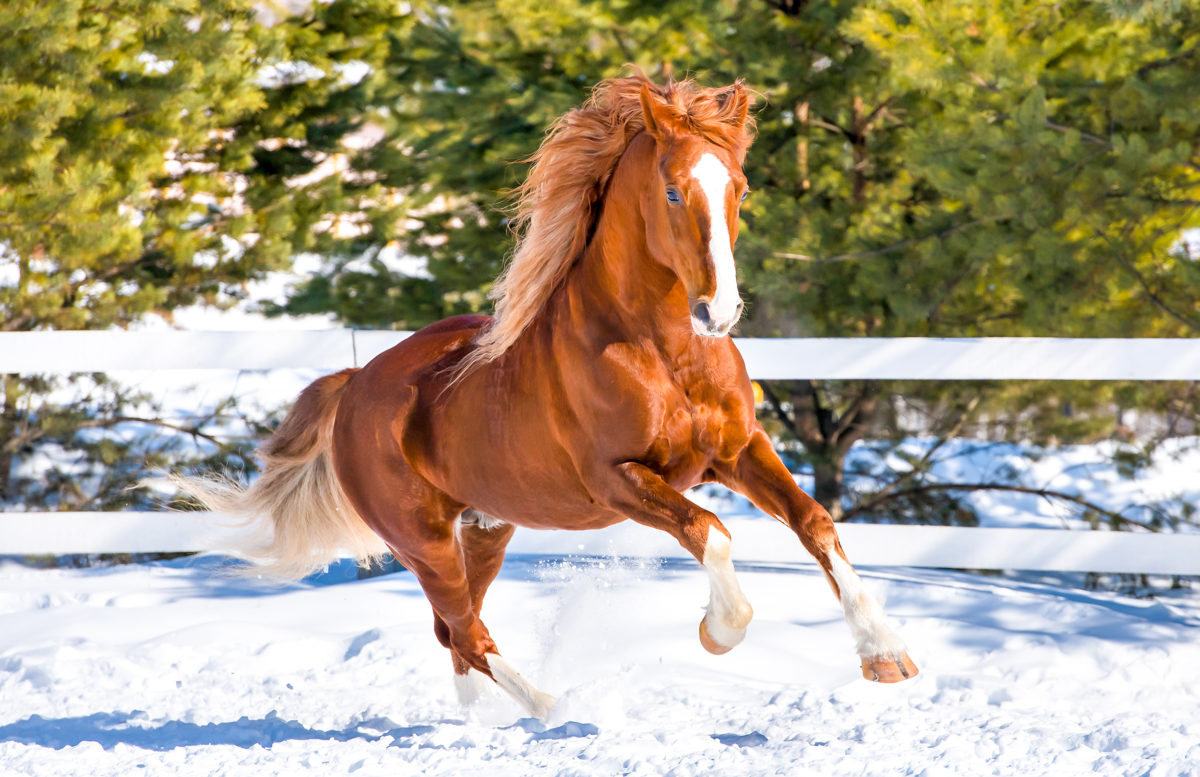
[{"x": 557, "y": 206}]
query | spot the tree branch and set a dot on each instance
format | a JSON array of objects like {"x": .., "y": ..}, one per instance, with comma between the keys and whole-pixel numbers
[
  {"x": 1158, "y": 64},
  {"x": 194, "y": 431},
  {"x": 831, "y": 126},
  {"x": 1154, "y": 297},
  {"x": 851, "y": 423},
  {"x": 927, "y": 488},
  {"x": 780, "y": 413},
  {"x": 923, "y": 462},
  {"x": 878, "y": 112},
  {"x": 823, "y": 415},
  {"x": 1085, "y": 135}
]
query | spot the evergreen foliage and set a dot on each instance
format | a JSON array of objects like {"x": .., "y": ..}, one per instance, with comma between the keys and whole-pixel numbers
[
  {"x": 156, "y": 154},
  {"x": 958, "y": 168}
]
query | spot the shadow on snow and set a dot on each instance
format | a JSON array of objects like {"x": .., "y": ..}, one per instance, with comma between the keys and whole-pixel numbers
[{"x": 109, "y": 729}]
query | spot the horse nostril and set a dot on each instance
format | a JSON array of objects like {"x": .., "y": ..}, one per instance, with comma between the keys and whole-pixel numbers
[
  {"x": 738, "y": 314},
  {"x": 701, "y": 313}
]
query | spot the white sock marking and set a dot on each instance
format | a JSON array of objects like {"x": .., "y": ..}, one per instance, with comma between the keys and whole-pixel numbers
[
  {"x": 472, "y": 686},
  {"x": 535, "y": 702},
  {"x": 873, "y": 635},
  {"x": 728, "y": 612},
  {"x": 713, "y": 178}
]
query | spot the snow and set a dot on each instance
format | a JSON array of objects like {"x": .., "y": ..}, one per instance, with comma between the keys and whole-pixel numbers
[{"x": 180, "y": 668}]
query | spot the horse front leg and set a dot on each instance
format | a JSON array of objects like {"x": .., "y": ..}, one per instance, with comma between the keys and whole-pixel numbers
[
  {"x": 641, "y": 494},
  {"x": 760, "y": 475}
]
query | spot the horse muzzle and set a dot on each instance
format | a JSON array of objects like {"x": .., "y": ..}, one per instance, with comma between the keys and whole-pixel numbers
[{"x": 707, "y": 324}]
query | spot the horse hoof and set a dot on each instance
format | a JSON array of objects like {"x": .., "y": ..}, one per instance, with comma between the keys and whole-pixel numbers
[
  {"x": 889, "y": 669},
  {"x": 711, "y": 644}
]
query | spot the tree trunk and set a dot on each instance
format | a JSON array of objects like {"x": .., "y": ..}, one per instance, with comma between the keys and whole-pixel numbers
[
  {"x": 8, "y": 432},
  {"x": 827, "y": 473},
  {"x": 826, "y": 434}
]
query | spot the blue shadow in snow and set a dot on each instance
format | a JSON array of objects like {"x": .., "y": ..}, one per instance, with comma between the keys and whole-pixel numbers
[
  {"x": 753, "y": 739},
  {"x": 109, "y": 729},
  {"x": 216, "y": 576},
  {"x": 569, "y": 730}
]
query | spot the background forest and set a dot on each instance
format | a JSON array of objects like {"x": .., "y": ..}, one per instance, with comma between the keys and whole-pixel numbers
[{"x": 956, "y": 168}]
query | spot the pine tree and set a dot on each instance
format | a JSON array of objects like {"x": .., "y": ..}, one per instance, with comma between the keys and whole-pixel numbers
[{"x": 157, "y": 154}]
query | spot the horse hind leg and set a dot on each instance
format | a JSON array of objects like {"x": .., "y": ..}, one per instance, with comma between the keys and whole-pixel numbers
[
  {"x": 483, "y": 540},
  {"x": 435, "y": 553}
]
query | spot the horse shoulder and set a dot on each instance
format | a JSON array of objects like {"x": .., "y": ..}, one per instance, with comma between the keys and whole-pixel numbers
[{"x": 614, "y": 405}]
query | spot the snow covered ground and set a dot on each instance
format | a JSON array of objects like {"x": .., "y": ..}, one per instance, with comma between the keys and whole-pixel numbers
[{"x": 175, "y": 668}]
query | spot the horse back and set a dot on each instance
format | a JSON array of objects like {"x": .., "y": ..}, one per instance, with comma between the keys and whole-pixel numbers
[
  {"x": 431, "y": 350},
  {"x": 383, "y": 393}
]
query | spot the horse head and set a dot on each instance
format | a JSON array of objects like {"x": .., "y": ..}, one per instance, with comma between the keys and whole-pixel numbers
[{"x": 691, "y": 203}]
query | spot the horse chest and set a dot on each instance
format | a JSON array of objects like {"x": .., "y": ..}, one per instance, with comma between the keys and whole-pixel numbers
[
  {"x": 693, "y": 435},
  {"x": 679, "y": 413}
]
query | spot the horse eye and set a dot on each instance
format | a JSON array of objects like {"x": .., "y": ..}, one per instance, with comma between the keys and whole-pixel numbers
[
  {"x": 745, "y": 194},
  {"x": 673, "y": 197}
]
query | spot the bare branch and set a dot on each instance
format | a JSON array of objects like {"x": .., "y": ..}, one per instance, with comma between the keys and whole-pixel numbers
[
  {"x": 928, "y": 488},
  {"x": 853, "y": 423},
  {"x": 921, "y": 464},
  {"x": 193, "y": 431},
  {"x": 780, "y": 413},
  {"x": 1158, "y": 64},
  {"x": 831, "y": 126},
  {"x": 879, "y": 112}
]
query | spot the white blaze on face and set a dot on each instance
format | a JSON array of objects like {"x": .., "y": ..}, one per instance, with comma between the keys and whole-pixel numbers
[{"x": 713, "y": 178}]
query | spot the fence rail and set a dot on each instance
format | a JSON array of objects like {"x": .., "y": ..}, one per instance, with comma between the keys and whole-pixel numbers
[
  {"x": 757, "y": 540},
  {"x": 867, "y": 358}
]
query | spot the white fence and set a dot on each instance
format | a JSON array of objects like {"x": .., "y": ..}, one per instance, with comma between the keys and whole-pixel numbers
[
  {"x": 867, "y": 358},
  {"x": 756, "y": 540}
]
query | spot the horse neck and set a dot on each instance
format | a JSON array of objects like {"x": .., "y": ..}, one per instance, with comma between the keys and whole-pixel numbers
[{"x": 617, "y": 275}]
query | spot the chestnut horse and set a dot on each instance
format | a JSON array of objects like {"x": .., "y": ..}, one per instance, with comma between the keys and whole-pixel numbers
[{"x": 604, "y": 386}]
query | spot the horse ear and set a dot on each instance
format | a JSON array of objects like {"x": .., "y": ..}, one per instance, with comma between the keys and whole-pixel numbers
[
  {"x": 737, "y": 106},
  {"x": 654, "y": 113}
]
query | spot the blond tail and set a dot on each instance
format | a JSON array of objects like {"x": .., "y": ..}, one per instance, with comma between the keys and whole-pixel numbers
[{"x": 303, "y": 519}]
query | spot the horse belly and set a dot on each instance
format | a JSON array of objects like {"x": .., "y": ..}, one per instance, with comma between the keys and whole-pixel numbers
[
  {"x": 541, "y": 500},
  {"x": 515, "y": 472}
]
